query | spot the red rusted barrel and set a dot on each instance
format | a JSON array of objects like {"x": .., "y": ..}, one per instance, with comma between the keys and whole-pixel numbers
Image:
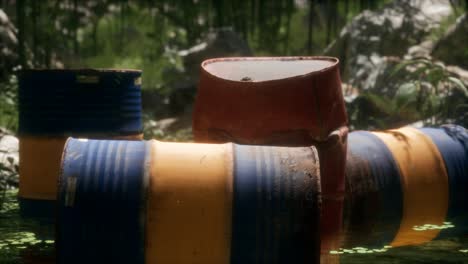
[{"x": 292, "y": 101}]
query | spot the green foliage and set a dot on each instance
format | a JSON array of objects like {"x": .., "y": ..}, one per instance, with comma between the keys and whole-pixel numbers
[
  {"x": 440, "y": 31},
  {"x": 8, "y": 104},
  {"x": 434, "y": 93},
  {"x": 7, "y": 176},
  {"x": 428, "y": 92},
  {"x": 133, "y": 45},
  {"x": 181, "y": 135}
]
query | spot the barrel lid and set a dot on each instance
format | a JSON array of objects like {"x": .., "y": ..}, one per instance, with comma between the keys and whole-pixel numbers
[{"x": 79, "y": 70}]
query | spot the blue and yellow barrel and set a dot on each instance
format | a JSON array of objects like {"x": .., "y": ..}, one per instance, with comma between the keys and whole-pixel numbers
[
  {"x": 56, "y": 104},
  {"x": 374, "y": 198},
  {"x": 452, "y": 143},
  {"x": 157, "y": 202},
  {"x": 405, "y": 187}
]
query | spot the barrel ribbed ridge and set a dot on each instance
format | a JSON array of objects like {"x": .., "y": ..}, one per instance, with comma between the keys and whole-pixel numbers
[
  {"x": 374, "y": 198},
  {"x": 276, "y": 205},
  {"x": 101, "y": 202},
  {"x": 74, "y": 102}
]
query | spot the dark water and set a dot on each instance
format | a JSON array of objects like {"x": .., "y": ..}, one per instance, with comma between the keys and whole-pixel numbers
[
  {"x": 24, "y": 240},
  {"x": 32, "y": 241}
]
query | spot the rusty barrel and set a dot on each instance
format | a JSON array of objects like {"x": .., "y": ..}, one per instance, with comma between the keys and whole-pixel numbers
[
  {"x": 405, "y": 187},
  {"x": 56, "y": 104},
  {"x": 157, "y": 202},
  {"x": 288, "y": 101}
]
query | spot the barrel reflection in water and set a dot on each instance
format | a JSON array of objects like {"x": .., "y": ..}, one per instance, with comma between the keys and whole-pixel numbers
[
  {"x": 405, "y": 187},
  {"x": 156, "y": 202}
]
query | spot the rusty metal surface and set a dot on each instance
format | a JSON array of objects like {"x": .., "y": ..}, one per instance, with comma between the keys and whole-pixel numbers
[
  {"x": 276, "y": 205},
  {"x": 288, "y": 111}
]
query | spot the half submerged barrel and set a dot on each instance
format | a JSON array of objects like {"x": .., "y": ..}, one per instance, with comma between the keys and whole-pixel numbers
[
  {"x": 424, "y": 184},
  {"x": 452, "y": 143},
  {"x": 288, "y": 101},
  {"x": 56, "y": 104},
  {"x": 405, "y": 187},
  {"x": 157, "y": 202},
  {"x": 374, "y": 198}
]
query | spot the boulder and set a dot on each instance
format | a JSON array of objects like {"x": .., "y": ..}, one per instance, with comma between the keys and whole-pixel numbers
[
  {"x": 389, "y": 31},
  {"x": 177, "y": 128},
  {"x": 381, "y": 77},
  {"x": 181, "y": 88},
  {"x": 9, "y": 159},
  {"x": 223, "y": 42},
  {"x": 452, "y": 48}
]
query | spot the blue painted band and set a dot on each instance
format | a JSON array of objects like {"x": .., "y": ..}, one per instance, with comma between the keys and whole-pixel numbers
[
  {"x": 79, "y": 102},
  {"x": 276, "y": 205},
  {"x": 101, "y": 202},
  {"x": 374, "y": 203},
  {"x": 452, "y": 142}
]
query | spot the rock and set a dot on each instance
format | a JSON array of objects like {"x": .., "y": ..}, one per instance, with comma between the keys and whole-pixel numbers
[
  {"x": 452, "y": 48},
  {"x": 390, "y": 31},
  {"x": 379, "y": 75},
  {"x": 422, "y": 49},
  {"x": 9, "y": 159},
  {"x": 223, "y": 42},
  {"x": 460, "y": 73},
  {"x": 181, "y": 87},
  {"x": 173, "y": 128},
  {"x": 162, "y": 124}
]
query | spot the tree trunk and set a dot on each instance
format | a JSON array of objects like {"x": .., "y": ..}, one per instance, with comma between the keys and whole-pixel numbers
[
  {"x": 310, "y": 27},
  {"x": 261, "y": 22},
  {"x": 253, "y": 11},
  {"x": 122, "y": 26},
  {"x": 219, "y": 12},
  {"x": 362, "y": 5},
  {"x": 329, "y": 15},
  {"x": 242, "y": 17},
  {"x": 346, "y": 11},
  {"x": 95, "y": 36},
  {"x": 75, "y": 27},
  {"x": 289, "y": 10},
  {"x": 35, "y": 12},
  {"x": 20, "y": 14}
]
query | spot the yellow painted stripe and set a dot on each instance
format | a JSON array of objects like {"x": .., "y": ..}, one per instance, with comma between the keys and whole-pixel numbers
[
  {"x": 424, "y": 182},
  {"x": 189, "y": 203},
  {"x": 40, "y": 167},
  {"x": 40, "y": 159}
]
